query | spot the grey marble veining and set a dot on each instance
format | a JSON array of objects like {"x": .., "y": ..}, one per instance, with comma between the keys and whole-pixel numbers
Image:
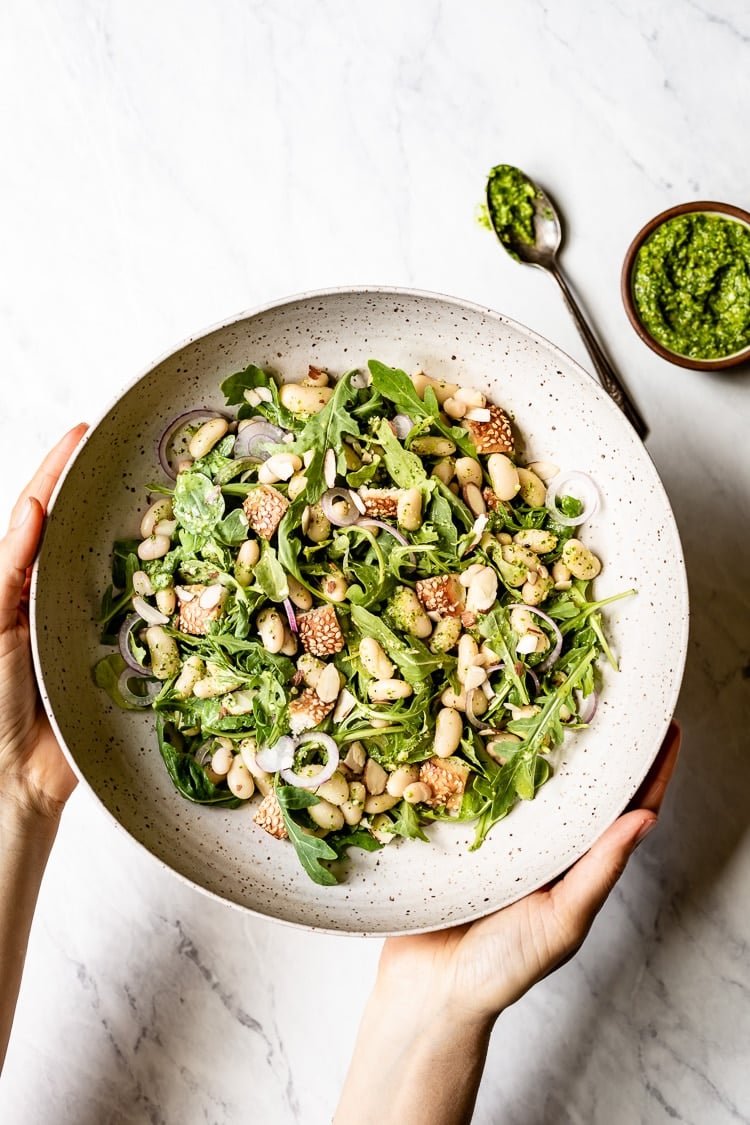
[{"x": 166, "y": 165}]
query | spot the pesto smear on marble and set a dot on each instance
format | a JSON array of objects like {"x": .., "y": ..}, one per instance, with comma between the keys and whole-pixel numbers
[
  {"x": 691, "y": 285},
  {"x": 510, "y": 205}
]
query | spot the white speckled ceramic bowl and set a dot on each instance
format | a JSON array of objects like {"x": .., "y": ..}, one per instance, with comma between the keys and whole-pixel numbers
[{"x": 565, "y": 418}]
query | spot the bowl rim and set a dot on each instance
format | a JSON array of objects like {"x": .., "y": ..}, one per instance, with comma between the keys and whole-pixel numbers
[
  {"x": 729, "y": 210},
  {"x": 268, "y": 306}
]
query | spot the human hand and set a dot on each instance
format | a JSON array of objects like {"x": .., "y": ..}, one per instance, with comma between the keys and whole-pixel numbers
[
  {"x": 33, "y": 771},
  {"x": 476, "y": 970}
]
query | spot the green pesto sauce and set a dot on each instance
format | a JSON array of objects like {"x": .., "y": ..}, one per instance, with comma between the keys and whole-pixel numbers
[
  {"x": 691, "y": 285},
  {"x": 510, "y": 203}
]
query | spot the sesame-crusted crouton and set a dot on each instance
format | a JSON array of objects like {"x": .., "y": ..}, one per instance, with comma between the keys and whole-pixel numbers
[
  {"x": 308, "y": 711},
  {"x": 199, "y": 606},
  {"x": 447, "y": 779},
  {"x": 380, "y": 503},
  {"x": 265, "y": 508},
  {"x": 495, "y": 436},
  {"x": 268, "y": 817},
  {"x": 442, "y": 594},
  {"x": 320, "y": 632}
]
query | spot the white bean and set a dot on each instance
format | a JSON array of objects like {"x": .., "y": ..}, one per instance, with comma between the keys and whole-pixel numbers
[
  {"x": 335, "y": 587},
  {"x": 271, "y": 630},
  {"x": 445, "y": 635},
  {"x": 166, "y": 601},
  {"x": 409, "y": 509},
  {"x": 433, "y": 446},
  {"x": 192, "y": 671},
  {"x": 468, "y": 651},
  {"x": 304, "y": 400},
  {"x": 161, "y": 509},
  {"x": 444, "y": 470},
  {"x": 165, "y": 656},
  {"x": 448, "y": 730},
  {"x": 221, "y": 761},
  {"x": 142, "y": 584},
  {"x": 290, "y": 646},
  {"x": 247, "y": 557},
  {"x": 468, "y": 471},
  {"x": 299, "y": 595},
  {"x": 335, "y": 790},
  {"x": 155, "y": 547},
  {"x": 503, "y": 476},
  {"x": 533, "y": 490},
  {"x": 374, "y": 659},
  {"x": 482, "y": 591},
  {"x": 206, "y": 437},
  {"x": 318, "y": 526},
  {"x": 386, "y": 691},
  {"x": 324, "y": 814},
  {"x": 297, "y": 486},
  {"x": 380, "y": 803},
  {"x": 580, "y": 561},
  {"x": 534, "y": 593},
  {"x": 536, "y": 540},
  {"x": 443, "y": 389},
  {"x": 400, "y": 778},
  {"x": 417, "y": 793},
  {"x": 310, "y": 668}
]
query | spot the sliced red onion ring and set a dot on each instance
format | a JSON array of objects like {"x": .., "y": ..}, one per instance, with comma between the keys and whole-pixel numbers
[
  {"x": 534, "y": 679},
  {"x": 587, "y": 705},
  {"x": 253, "y": 439},
  {"x": 153, "y": 687},
  {"x": 392, "y": 531},
  {"x": 280, "y": 756},
  {"x": 205, "y": 752},
  {"x": 402, "y": 426},
  {"x": 290, "y": 615},
  {"x": 551, "y": 656},
  {"x": 578, "y": 485},
  {"x": 470, "y": 713},
  {"x": 148, "y": 612},
  {"x": 123, "y": 643},
  {"x": 328, "y": 769},
  {"x": 330, "y": 500},
  {"x": 165, "y": 449}
]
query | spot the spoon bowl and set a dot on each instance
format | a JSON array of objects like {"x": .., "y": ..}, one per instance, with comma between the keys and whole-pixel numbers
[{"x": 528, "y": 226}]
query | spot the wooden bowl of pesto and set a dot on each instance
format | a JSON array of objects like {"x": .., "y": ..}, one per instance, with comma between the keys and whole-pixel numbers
[{"x": 686, "y": 285}]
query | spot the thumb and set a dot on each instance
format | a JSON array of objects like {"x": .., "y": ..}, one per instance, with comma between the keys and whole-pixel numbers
[
  {"x": 580, "y": 895},
  {"x": 17, "y": 552}
]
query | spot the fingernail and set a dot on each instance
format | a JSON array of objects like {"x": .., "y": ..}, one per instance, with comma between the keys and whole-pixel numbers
[
  {"x": 23, "y": 514},
  {"x": 644, "y": 830}
]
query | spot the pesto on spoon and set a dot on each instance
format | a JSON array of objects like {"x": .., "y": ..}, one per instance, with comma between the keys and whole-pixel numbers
[{"x": 528, "y": 226}]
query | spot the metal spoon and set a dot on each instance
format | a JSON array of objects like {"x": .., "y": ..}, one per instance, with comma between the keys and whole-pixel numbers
[{"x": 542, "y": 252}]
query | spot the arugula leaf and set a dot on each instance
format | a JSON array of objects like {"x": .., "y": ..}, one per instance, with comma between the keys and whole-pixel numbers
[
  {"x": 405, "y": 468},
  {"x": 270, "y": 575},
  {"x": 311, "y": 851},
  {"x": 188, "y": 777},
  {"x": 353, "y": 838},
  {"x": 107, "y": 672},
  {"x": 197, "y": 503},
  {"x": 232, "y": 530},
  {"x": 407, "y": 823},
  {"x": 250, "y": 379},
  {"x": 397, "y": 388},
  {"x": 414, "y": 659}
]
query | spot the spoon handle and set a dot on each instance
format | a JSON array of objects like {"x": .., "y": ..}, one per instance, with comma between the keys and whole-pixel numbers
[{"x": 607, "y": 375}]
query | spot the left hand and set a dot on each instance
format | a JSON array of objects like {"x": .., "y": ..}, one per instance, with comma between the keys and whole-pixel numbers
[{"x": 33, "y": 770}]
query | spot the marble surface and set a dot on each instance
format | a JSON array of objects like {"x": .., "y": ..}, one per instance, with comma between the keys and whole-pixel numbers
[{"x": 166, "y": 165}]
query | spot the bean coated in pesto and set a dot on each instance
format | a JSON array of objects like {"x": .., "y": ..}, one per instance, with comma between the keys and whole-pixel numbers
[{"x": 691, "y": 285}]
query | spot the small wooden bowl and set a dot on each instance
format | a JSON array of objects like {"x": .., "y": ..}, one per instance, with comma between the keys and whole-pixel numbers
[{"x": 626, "y": 285}]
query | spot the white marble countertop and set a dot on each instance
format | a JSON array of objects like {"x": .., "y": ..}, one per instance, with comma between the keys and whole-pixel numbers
[{"x": 166, "y": 165}]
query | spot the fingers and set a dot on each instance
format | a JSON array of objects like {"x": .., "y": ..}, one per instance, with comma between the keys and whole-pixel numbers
[
  {"x": 579, "y": 896},
  {"x": 17, "y": 552},
  {"x": 42, "y": 484},
  {"x": 19, "y": 546},
  {"x": 651, "y": 793}
]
